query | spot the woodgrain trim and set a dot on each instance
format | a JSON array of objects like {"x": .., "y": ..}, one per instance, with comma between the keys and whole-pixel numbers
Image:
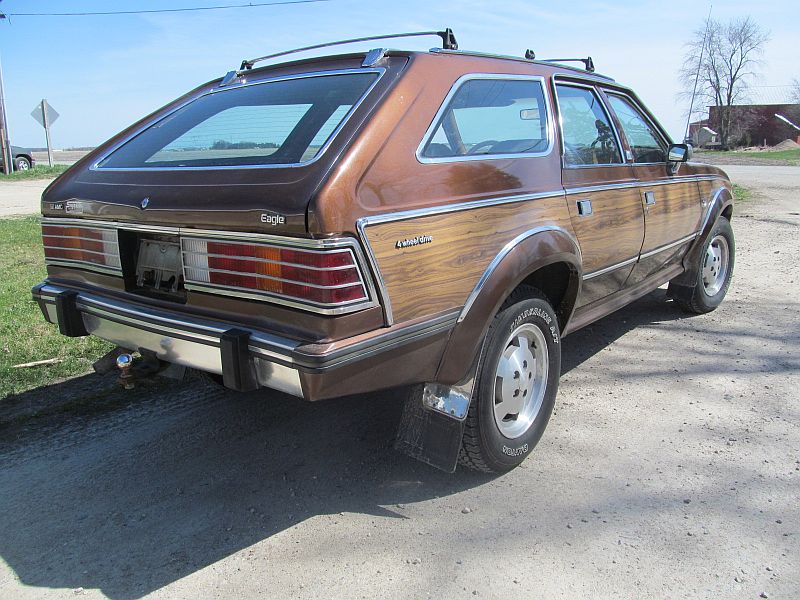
[{"x": 439, "y": 276}]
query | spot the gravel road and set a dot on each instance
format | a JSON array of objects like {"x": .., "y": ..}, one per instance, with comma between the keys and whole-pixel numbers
[
  {"x": 671, "y": 469},
  {"x": 21, "y": 197}
]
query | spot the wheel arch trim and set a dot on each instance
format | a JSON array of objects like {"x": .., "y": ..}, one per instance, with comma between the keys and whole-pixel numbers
[
  {"x": 505, "y": 251},
  {"x": 523, "y": 256}
]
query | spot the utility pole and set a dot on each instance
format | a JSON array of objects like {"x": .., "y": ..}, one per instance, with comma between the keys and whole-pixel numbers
[{"x": 5, "y": 145}]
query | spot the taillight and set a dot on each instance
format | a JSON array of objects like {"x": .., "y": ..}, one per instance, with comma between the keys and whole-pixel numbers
[
  {"x": 325, "y": 277},
  {"x": 89, "y": 247}
]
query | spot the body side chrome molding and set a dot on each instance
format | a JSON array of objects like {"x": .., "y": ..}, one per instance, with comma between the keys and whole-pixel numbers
[
  {"x": 502, "y": 254},
  {"x": 550, "y": 130},
  {"x": 683, "y": 240},
  {"x": 218, "y": 90},
  {"x": 610, "y": 268},
  {"x": 635, "y": 259},
  {"x": 639, "y": 184}
]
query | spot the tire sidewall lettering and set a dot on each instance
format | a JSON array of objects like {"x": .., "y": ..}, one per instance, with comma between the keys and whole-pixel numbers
[{"x": 534, "y": 312}]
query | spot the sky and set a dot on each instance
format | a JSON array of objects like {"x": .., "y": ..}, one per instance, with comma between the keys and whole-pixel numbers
[{"x": 102, "y": 73}]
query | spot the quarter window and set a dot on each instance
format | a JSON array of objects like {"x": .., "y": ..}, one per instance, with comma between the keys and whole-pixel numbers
[
  {"x": 491, "y": 117},
  {"x": 586, "y": 128},
  {"x": 645, "y": 143}
]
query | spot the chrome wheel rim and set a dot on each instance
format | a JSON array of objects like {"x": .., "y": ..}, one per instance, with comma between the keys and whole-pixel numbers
[
  {"x": 520, "y": 380},
  {"x": 715, "y": 265},
  {"x": 23, "y": 165}
]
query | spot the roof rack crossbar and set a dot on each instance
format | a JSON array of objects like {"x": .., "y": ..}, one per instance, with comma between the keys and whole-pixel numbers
[
  {"x": 448, "y": 43},
  {"x": 588, "y": 63}
]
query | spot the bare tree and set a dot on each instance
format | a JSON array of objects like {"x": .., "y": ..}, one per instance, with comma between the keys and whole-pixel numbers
[
  {"x": 796, "y": 90},
  {"x": 722, "y": 58}
]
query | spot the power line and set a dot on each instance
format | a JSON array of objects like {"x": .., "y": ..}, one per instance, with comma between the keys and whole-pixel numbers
[{"x": 161, "y": 10}]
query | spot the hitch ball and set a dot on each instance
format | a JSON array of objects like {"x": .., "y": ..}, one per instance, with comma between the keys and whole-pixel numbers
[{"x": 124, "y": 364}]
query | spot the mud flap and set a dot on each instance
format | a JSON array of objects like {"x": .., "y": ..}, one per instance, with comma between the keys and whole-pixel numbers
[{"x": 432, "y": 424}]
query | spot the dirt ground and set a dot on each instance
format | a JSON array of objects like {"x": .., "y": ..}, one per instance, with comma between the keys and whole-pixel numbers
[
  {"x": 60, "y": 157},
  {"x": 671, "y": 469}
]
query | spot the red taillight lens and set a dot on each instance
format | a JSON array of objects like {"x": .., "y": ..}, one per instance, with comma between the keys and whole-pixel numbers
[
  {"x": 78, "y": 244},
  {"x": 321, "y": 277}
]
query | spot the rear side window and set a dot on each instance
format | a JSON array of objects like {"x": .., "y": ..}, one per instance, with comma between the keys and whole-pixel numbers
[
  {"x": 490, "y": 117},
  {"x": 586, "y": 128},
  {"x": 274, "y": 123},
  {"x": 645, "y": 143}
]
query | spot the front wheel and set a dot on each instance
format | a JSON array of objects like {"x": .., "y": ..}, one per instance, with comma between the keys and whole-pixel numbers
[
  {"x": 714, "y": 271},
  {"x": 22, "y": 163},
  {"x": 516, "y": 386}
]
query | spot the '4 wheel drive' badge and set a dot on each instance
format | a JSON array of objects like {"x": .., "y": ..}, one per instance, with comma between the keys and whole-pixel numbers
[
  {"x": 415, "y": 241},
  {"x": 145, "y": 202}
]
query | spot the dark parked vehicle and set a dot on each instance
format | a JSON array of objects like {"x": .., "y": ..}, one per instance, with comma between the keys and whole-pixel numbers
[
  {"x": 23, "y": 159},
  {"x": 436, "y": 220}
]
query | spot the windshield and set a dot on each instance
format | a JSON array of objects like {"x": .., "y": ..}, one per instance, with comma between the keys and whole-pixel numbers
[{"x": 274, "y": 123}]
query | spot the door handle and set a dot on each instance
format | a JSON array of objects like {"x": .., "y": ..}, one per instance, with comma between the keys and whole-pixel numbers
[
  {"x": 649, "y": 198},
  {"x": 584, "y": 207}
]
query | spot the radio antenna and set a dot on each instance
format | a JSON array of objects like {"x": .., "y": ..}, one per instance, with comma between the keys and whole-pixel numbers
[{"x": 687, "y": 137}]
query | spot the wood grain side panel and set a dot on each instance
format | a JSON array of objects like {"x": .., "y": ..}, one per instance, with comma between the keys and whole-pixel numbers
[
  {"x": 676, "y": 213},
  {"x": 432, "y": 277},
  {"x": 615, "y": 229}
]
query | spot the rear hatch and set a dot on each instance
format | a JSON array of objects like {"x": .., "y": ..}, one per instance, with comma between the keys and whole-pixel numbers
[
  {"x": 247, "y": 156},
  {"x": 204, "y": 203}
]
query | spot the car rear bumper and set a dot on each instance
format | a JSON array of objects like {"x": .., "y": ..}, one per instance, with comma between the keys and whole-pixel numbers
[{"x": 248, "y": 359}]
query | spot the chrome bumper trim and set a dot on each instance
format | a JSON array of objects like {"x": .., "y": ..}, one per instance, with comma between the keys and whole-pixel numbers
[
  {"x": 196, "y": 342},
  {"x": 192, "y": 343}
]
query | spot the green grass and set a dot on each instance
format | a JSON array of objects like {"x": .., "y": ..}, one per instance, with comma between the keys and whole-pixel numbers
[
  {"x": 37, "y": 172},
  {"x": 24, "y": 334},
  {"x": 790, "y": 156},
  {"x": 741, "y": 193}
]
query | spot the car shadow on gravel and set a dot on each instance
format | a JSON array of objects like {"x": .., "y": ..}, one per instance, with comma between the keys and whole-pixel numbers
[
  {"x": 134, "y": 490},
  {"x": 652, "y": 309}
]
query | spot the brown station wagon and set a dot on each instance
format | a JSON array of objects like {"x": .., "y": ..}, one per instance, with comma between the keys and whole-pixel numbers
[{"x": 437, "y": 220}]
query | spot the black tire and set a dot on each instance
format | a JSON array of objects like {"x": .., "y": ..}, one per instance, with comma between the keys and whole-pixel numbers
[
  {"x": 21, "y": 163},
  {"x": 485, "y": 447},
  {"x": 704, "y": 298}
]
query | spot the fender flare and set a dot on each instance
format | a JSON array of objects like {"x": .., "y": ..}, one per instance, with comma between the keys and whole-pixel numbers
[
  {"x": 521, "y": 257},
  {"x": 721, "y": 198}
]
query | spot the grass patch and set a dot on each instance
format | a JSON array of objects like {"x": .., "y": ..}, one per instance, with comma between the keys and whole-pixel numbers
[
  {"x": 741, "y": 193},
  {"x": 789, "y": 157},
  {"x": 793, "y": 154},
  {"x": 37, "y": 172},
  {"x": 24, "y": 334}
]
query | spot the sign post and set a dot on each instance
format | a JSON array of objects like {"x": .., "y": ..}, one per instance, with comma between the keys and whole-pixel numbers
[{"x": 46, "y": 116}]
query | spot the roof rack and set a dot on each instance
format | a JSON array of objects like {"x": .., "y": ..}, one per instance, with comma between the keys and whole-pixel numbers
[
  {"x": 588, "y": 63},
  {"x": 448, "y": 43}
]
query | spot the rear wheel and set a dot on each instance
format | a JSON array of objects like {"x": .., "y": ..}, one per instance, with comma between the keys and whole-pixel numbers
[
  {"x": 516, "y": 386},
  {"x": 714, "y": 271}
]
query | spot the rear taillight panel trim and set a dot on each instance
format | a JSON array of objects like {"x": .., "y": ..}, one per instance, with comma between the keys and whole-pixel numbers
[
  {"x": 333, "y": 271},
  {"x": 257, "y": 261},
  {"x": 81, "y": 245}
]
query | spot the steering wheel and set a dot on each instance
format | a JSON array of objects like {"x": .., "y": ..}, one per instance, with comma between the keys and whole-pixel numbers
[{"x": 481, "y": 145}]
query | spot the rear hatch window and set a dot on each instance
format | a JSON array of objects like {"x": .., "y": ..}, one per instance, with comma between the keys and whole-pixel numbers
[{"x": 282, "y": 122}]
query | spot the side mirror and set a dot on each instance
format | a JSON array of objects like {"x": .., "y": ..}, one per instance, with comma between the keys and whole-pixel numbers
[{"x": 679, "y": 153}]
